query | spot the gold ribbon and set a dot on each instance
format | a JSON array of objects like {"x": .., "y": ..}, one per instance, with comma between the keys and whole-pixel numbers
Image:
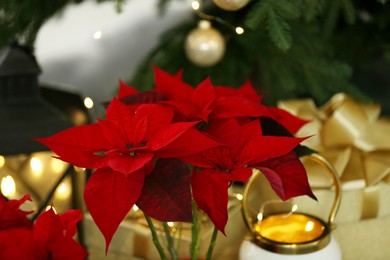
[{"x": 354, "y": 138}]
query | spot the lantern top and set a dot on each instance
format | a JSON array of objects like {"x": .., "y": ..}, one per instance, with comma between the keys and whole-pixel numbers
[{"x": 17, "y": 60}]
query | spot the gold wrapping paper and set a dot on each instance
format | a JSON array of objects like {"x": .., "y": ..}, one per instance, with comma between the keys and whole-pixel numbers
[{"x": 354, "y": 138}]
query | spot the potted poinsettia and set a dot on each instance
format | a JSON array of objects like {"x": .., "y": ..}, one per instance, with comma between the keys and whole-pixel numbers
[
  {"x": 175, "y": 150},
  {"x": 50, "y": 237}
]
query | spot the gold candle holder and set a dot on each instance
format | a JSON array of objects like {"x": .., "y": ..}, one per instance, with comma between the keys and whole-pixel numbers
[{"x": 292, "y": 232}]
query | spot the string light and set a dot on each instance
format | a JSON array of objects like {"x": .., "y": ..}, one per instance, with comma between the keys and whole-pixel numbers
[
  {"x": 8, "y": 187},
  {"x": 2, "y": 161},
  {"x": 196, "y": 7},
  {"x": 63, "y": 191},
  {"x": 36, "y": 166},
  {"x": 88, "y": 102},
  {"x": 98, "y": 35},
  {"x": 239, "y": 30},
  {"x": 57, "y": 166},
  {"x": 171, "y": 224},
  {"x": 239, "y": 196},
  {"x": 135, "y": 208}
]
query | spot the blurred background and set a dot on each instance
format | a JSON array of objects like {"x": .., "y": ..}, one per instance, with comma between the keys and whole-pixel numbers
[{"x": 61, "y": 59}]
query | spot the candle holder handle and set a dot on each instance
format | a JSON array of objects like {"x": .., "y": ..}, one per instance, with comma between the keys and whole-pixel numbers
[{"x": 323, "y": 162}]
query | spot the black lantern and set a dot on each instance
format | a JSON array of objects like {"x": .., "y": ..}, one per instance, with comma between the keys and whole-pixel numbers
[{"x": 27, "y": 111}]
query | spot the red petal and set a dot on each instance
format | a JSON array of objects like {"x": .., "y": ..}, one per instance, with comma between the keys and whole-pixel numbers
[
  {"x": 166, "y": 195},
  {"x": 171, "y": 86},
  {"x": 69, "y": 220},
  {"x": 18, "y": 243},
  {"x": 68, "y": 248},
  {"x": 225, "y": 131},
  {"x": 143, "y": 98},
  {"x": 157, "y": 117},
  {"x": 287, "y": 176},
  {"x": 125, "y": 90},
  {"x": 241, "y": 174},
  {"x": 210, "y": 191},
  {"x": 167, "y": 135},
  {"x": 109, "y": 196},
  {"x": 127, "y": 164},
  {"x": 190, "y": 142},
  {"x": 288, "y": 120},
  {"x": 246, "y": 90},
  {"x": 237, "y": 106},
  {"x": 11, "y": 216},
  {"x": 77, "y": 145},
  {"x": 267, "y": 147},
  {"x": 117, "y": 111},
  {"x": 203, "y": 97},
  {"x": 47, "y": 229}
]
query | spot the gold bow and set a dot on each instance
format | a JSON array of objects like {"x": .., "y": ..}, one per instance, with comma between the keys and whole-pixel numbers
[{"x": 354, "y": 138}]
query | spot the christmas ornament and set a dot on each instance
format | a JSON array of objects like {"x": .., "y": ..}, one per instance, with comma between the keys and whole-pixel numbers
[
  {"x": 205, "y": 46},
  {"x": 231, "y": 5}
]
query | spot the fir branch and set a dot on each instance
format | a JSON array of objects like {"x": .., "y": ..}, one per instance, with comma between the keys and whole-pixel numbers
[
  {"x": 257, "y": 15},
  {"x": 349, "y": 11},
  {"x": 287, "y": 9},
  {"x": 279, "y": 31},
  {"x": 332, "y": 16},
  {"x": 274, "y": 14},
  {"x": 311, "y": 9}
]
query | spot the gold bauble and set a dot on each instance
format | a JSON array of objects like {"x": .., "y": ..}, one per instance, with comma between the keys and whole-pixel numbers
[
  {"x": 231, "y": 5},
  {"x": 205, "y": 46}
]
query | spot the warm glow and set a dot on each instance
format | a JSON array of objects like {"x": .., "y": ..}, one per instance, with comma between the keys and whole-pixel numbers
[
  {"x": 290, "y": 228},
  {"x": 309, "y": 226},
  {"x": 239, "y": 196},
  {"x": 294, "y": 208},
  {"x": 36, "y": 166},
  {"x": 171, "y": 224},
  {"x": 2, "y": 161},
  {"x": 260, "y": 216},
  {"x": 135, "y": 207},
  {"x": 98, "y": 35},
  {"x": 78, "y": 169},
  {"x": 195, "y": 5},
  {"x": 57, "y": 166},
  {"x": 8, "y": 187},
  {"x": 239, "y": 30},
  {"x": 88, "y": 102},
  {"x": 51, "y": 207},
  {"x": 63, "y": 191}
]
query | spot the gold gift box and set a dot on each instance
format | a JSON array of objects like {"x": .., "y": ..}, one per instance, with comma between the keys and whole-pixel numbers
[{"x": 356, "y": 140}]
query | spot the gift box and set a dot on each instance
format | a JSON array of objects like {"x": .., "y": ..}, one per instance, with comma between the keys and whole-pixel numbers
[{"x": 355, "y": 139}]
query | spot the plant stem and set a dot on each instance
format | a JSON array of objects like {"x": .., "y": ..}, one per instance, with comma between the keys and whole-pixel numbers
[
  {"x": 212, "y": 244},
  {"x": 171, "y": 245},
  {"x": 156, "y": 242},
  {"x": 195, "y": 234}
]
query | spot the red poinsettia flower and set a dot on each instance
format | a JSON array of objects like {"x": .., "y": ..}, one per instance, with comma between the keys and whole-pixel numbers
[
  {"x": 123, "y": 148},
  {"x": 206, "y": 102},
  {"x": 51, "y": 237},
  {"x": 222, "y": 165},
  {"x": 11, "y": 216}
]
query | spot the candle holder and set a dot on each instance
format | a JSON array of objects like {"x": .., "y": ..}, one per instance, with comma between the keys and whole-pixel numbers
[{"x": 285, "y": 233}]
